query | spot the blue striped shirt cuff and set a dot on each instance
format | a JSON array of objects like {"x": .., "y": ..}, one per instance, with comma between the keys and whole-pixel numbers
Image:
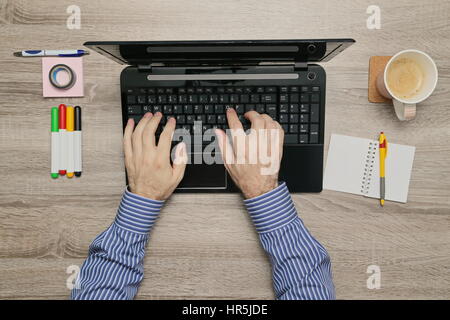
[
  {"x": 272, "y": 210},
  {"x": 136, "y": 213}
]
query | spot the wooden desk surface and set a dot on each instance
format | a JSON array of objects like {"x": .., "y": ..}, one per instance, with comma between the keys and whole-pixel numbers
[{"x": 195, "y": 252}]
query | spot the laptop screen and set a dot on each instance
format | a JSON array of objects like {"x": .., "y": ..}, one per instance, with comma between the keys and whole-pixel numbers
[{"x": 220, "y": 52}]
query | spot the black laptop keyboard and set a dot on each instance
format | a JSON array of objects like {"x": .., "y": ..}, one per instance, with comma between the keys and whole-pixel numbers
[{"x": 296, "y": 108}]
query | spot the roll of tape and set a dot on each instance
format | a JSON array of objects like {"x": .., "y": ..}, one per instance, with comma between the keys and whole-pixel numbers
[{"x": 66, "y": 83}]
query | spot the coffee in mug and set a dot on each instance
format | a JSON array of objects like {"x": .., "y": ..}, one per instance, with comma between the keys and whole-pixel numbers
[{"x": 409, "y": 77}]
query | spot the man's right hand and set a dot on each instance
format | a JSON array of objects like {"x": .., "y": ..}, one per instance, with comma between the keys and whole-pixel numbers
[
  {"x": 254, "y": 178},
  {"x": 150, "y": 173}
]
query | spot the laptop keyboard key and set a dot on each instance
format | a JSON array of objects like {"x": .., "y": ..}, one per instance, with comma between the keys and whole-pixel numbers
[
  {"x": 314, "y": 134},
  {"x": 304, "y": 97},
  {"x": 239, "y": 109},
  {"x": 161, "y": 99},
  {"x": 177, "y": 109},
  {"x": 192, "y": 98},
  {"x": 260, "y": 108},
  {"x": 209, "y": 108},
  {"x": 313, "y": 138},
  {"x": 190, "y": 118},
  {"x": 198, "y": 109},
  {"x": 221, "y": 119},
  {"x": 211, "y": 119},
  {"x": 268, "y": 98},
  {"x": 167, "y": 109},
  {"x": 254, "y": 98},
  {"x": 293, "y": 118},
  {"x": 182, "y": 98},
  {"x": 224, "y": 98},
  {"x": 188, "y": 109},
  {"x": 303, "y": 128},
  {"x": 219, "y": 108},
  {"x": 214, "y": 98},
  {"x": 245, "y": 98},
  {"x": 181, "y": 119},
  {"x": 315, "y": 97},
  {"x": 314, "y": 112},
  {"x": 271, "y": 110},
  {"x": 134, "y": 109},
  {"x": 284, "y": 118},
  {"x": 303, "y": 138},
  {"x": 172, "y": 99},
  {"x": 290, "y": 139},
  {"x": 141, "y": 99},
  {"x": 304, "y": 108},
  {"x": 284, "y": 98},
  {"x": 131, "y": 99},
  {"x": 293, "y": 108},
  {"x": 284, "y": 108},
  {"x": 151, "y": 99},
  {"x": 200, "y": 117}
]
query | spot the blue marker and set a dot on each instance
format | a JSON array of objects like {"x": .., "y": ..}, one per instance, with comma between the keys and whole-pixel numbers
[{"x": 51, "y": 53}]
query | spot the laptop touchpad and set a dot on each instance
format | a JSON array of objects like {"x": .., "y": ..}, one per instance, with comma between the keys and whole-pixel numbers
[{"x": 199, "y": 176}]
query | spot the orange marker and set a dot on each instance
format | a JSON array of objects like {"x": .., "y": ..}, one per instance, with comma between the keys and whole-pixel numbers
[
  {"x": 70, "y": 145},
  {"x": 62, "y": 140}
]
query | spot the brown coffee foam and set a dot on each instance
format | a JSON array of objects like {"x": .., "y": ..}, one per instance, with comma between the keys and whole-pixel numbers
[{"x": 376, "y": 65}]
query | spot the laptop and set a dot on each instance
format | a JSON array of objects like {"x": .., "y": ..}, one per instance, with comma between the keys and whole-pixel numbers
[{"x": 196, "y": 81}]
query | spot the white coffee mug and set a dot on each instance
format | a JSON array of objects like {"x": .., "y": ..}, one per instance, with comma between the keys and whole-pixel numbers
[{"x": 405, "y": 108}]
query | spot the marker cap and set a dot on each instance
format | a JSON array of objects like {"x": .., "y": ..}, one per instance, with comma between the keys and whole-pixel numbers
[
  {"x": 77, "y": 118},
  {"x": 55, "y": 120},
  {"x": 62, "y": 116},
  {"x": 69, "y": 118}
]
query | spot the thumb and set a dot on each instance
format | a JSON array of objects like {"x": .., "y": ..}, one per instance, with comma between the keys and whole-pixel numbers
[{"x": 180, "y": 161}]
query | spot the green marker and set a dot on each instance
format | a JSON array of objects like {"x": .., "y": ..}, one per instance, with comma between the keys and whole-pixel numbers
[{"x": 55, "y": 144}]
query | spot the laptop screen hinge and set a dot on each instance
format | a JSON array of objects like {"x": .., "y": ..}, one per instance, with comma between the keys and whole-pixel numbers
[
  {"x": 301, "y": 66},
  {"x": 149, "y": 67}
]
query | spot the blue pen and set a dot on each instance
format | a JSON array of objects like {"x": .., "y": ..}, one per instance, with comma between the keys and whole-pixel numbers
[{"x": 51, "y": 53}]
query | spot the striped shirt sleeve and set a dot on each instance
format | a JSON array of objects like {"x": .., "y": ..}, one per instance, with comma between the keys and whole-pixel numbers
[
  {"x": 113, "y": 269},
  {"x": 301, "y": 267}
]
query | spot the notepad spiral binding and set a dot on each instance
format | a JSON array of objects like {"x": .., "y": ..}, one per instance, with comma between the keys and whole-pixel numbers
[{"x": 368, "y": 167}]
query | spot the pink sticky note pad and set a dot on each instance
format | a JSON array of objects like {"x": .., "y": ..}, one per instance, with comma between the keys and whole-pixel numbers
[{"x": 76, "y": 64}]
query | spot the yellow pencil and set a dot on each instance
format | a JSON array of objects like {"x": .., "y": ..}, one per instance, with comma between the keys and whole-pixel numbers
[{"x": 383, "y": 155}]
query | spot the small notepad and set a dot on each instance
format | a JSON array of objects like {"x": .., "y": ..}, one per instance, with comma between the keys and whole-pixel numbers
[{"x": 353, "y": 166}]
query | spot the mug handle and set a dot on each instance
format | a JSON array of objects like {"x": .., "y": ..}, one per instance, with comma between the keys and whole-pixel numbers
[{"x": 404, "y": 111}]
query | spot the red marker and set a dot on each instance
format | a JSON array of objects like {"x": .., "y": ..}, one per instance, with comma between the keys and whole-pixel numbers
[{"x": 62, "y": 140}]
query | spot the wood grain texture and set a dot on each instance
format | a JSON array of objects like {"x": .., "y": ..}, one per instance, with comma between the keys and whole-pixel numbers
[{"x": 196, "y": 252}]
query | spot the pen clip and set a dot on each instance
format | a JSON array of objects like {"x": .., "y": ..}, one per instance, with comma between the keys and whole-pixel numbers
[{"x": 386, "y": 144}]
